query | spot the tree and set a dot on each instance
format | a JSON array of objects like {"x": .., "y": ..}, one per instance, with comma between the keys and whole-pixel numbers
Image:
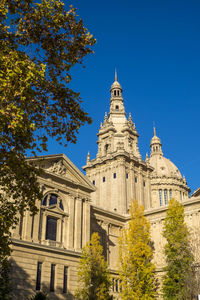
[
  {"x": 4, "y": 280},
  {"x": 137, "y": 272},
  {"x": 179, "y": 279},
  {"x": 40, "y": 43},
  {"x": 93, "y": 274}
]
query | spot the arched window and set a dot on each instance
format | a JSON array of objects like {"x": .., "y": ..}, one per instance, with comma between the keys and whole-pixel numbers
[
  {"x": 52, "y": 199},
  {"x": 117, "y": 107},
  {"x": 52, "y": 218}
]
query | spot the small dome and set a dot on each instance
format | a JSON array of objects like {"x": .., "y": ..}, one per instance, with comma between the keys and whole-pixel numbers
[
  {"x": 116, "y": 85},
  {"x": 155, "y": 140},
  {"x": 163, "y": 167}
]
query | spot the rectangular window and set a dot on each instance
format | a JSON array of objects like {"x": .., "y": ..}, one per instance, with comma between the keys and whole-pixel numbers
[
  {"x": 160, "y": 197},
  {"x": 104, "y": 179},
  {"x": 165, "y": 197},
  {"x": 32, "y": 227},
  {"x": 20, "y": 225},
  {"x": 38, "y": 276},
  {"x": 113, "y": 284},
  {"x": 170, "y": 194},
  {"x": 52, "y": 279},
  {"x": 116, "y": 285},
  {"x": 135, "y": 179},
  {"x": 126, "y": 175},
  {"x": 51, "y": 228},
  {"x": 65, "y": 279},
  {"x": 114, "y": 175}
]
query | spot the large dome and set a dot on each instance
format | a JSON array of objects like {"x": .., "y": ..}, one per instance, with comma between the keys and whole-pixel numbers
[{"x": 163, "y": 167}]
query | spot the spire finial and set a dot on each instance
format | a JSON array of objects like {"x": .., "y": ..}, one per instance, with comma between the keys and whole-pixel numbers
[
  {"x": 154, "y": 128},
  {"x": 88, "y": 157},
  {"x": 115, "y": 74}
]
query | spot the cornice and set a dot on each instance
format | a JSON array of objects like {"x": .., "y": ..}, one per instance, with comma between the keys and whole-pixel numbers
[
  {"x": 164, "y": 208},
  {"x": 115, "y": 155},
  {"x": 41, "y": 247},
  {"x": 109, "y": 214},
  {"x": 63, "y": 188}
]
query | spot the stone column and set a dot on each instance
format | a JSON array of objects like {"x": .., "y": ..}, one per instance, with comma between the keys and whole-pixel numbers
[
  {"x": 78, "y": 223},
  {"x": 71, "y": 223},
  {"x": 44, "y": 223},
  {"x": 98, "y": 184},
  {"x": 148, "y": 194},
  {"x": 105, "y": 227},
  {"x": 36, "y": 227},
  {"x": 108, "y": 199},
  {"x": 132, "y": 182},
  {"x": 16, "y": 230},
  {"x": 65, "y": 233},
  {"x": 122, "y": 200},
  {"x": 108, "y": 246},
  {"x": 58, "y": 235},
  {"x": 86, "y": 222},
  {"x": 26, "y": 227},
  {"x": 140, "y": 186}
]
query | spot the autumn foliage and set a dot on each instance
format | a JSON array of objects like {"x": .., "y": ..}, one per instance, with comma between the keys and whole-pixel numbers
[
  {"x": 137, "y": 272},
  {"x": 179, "y": 279},
  {"x": 94, "y": 277},
  {"x": 40, "y": 42}
]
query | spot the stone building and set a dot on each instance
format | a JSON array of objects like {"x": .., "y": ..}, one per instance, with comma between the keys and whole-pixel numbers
[{"x": 47, "y": 247}]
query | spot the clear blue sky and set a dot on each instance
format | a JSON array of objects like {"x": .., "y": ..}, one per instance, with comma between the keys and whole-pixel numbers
[{"x": 155, "y": 46}]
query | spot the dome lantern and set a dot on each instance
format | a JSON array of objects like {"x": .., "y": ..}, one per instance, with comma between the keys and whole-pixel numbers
[
  {"x": 156, "y": 145},
  {"x": 116, "y": 89}
]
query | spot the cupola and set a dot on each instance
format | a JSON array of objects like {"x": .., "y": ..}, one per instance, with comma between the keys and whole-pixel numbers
[
  {"x": 116, "y": 89},
  {"x": 156, "y": 146}
]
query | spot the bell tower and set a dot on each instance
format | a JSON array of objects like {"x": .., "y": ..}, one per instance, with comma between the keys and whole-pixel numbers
[{"x": 118, "y": 171}]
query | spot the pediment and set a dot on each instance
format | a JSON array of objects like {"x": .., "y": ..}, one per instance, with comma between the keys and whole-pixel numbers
[
  {"x": 60, "y": 166},
  {"x": 54, "y": 209}
]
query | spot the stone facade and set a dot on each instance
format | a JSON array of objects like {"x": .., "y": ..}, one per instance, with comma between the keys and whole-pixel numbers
[{"x": 47, "y": 247}]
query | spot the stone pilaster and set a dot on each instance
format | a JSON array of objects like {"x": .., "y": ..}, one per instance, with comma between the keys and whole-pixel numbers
[
  {"x": 122, "y": 200},
  {"x": 86, "y": 222},
  {"x": 78, "y": 224},
  {"x": 132, "y": 182},
  {"x": 71, "y": 223}
]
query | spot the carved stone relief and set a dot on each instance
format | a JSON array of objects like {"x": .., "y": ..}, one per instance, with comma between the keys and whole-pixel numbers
[{"x": 58, "y": 168}]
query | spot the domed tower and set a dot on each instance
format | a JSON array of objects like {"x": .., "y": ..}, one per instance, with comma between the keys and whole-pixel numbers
[
  {"x": 118, "y": 171},
  {"x": 166, "y": 179}
]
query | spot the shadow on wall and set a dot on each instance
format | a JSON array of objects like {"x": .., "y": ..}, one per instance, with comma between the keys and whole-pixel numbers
[
  {"x": 23, "y": 287},
  {"x": 104, "y": 239}
]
